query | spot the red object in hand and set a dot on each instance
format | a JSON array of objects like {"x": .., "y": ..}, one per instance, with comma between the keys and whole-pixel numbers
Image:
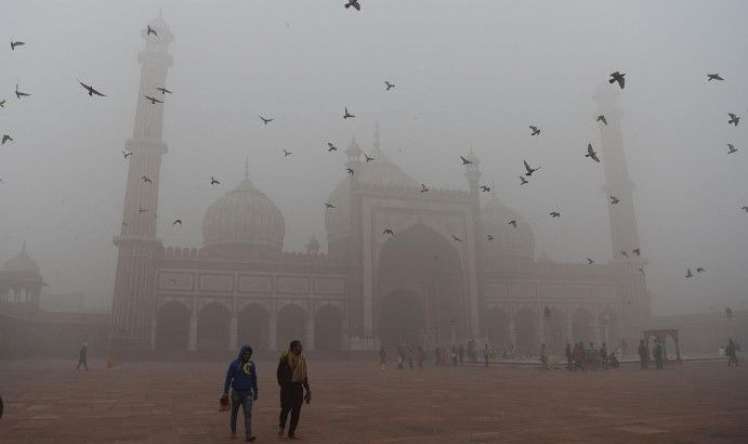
[{"x": 223, "y": 403}]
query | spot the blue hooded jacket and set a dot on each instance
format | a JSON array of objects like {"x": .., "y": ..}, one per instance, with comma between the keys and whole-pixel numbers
[{"x": 242, "y": 377}]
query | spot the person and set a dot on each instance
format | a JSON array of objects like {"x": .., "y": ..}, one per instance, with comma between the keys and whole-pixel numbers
[
  {"x": 420, "y": 356},
  {"x": 569, "y": 358},
  {"x": 293, "y": 380},
  {"x": 454, "y": 356},
  {"x": 604, "y": 355},
  {"x": 409, "y": 352},
  {"x": 658, "y": 352},
  {"x": 83, "y": 356},
  {"x": 486, "y": 354},
  {"x": 461, "y": 353},
  {"x": 400, "y": 357},
  {"x": 437, "y": 356},
  {"x": 579, "y": 356},
  {"x": 643, "y": 355},
  {"x": 732, "y": 354},
  {"x": 382, "y": 357},
  {"x": 241, "y": 377}
]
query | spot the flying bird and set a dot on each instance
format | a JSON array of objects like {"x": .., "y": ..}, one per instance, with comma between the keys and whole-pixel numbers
[
  {"x": 614, "y": 200},
  {"x": 637, "y": 251},
  {"x": 535, "y": 130},
  {"x": 601, "y": 118},
  {"x": 150, "y": 31},
  {"x": 591, "y": 153},
  {"x": 734, "y": 119},
  {"x": 624, "y": 254},
  {"x": 265, "y": 121},
  {"x": 456, "y": 239},
  {"x": 689, "y": 274},
  {"x": 163, "y": 90},
  {"x": 466, "y": 161},
  {"x": 523, "y": 181},
  {"x": 142, "y": 210},
  {"x": 286, "y": 153},
  {"x": 590, "y": 261},
  {"x": 6, "y": 139},
  {"x": 91, "y": 90},
  {"x": 328, "y": 205},
  {"x": 715, "y": 76},
  {"x": 529, "y": 170},
  {"x": 388, "y": 232},
  {"x": 424, "y": 188},
  {"x": 349, "y": 171},
  {"x": 20, "y": 93},
  {"x": 354, "y": 3},
  {"x": 331, "y": 147},
  {"x": 153, "y": 100},
  {"x": 2, "y": 103},
  {"x": 731, "y": 149},
  {"x": 618, "y": 77},
  {"x": 368, "y": 158},
  {"x": 555, "y": 214},
  {"x": 513, "y": 223},
  {"x": 348, "y": 115},
  {"x": 15, "y": 43},
  {"x": 146, "y": 179},
  {"x": 214, "y": 181},
  {"x": 126, "y": 154},
  {"x": 700, "y": 269},
  {"x": 485, "y": 188},
  {"x": 388, "y": 85},
  {"x": 490, "y": 237},
  {"x": 745, "y": 208},
  {"x": 177, "y": 222}
]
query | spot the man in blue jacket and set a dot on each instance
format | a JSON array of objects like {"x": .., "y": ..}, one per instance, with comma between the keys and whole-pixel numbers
[{"x": 242, "y": 378}]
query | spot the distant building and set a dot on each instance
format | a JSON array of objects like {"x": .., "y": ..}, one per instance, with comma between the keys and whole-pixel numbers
[{"x": 63, "y": 302}]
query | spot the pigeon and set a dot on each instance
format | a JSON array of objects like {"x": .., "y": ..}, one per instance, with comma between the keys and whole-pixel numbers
[
  {"x": 2, "y": 103},
  {"x": 388, "y": 231},
  {"x": 146, "y": 179},
  {"x": 618, "y": 77},
  {"x": 624, "y": 254},
  {"x": 700, "y": 269},
  {"x": 388, "y": 85},
  {"x": 529, "y": 170},
  {"x": 601, "y": 118},
  {"x": 535, "y": 130},
  {"x": 348, "y": 115},
  {"x": 15, "y": 43},
  {"x": 153, "y": 100},
  {"x": 265, "y": 121},
  {"x": 555, "y": 214},
  {"x": 490, "y": 237},
  {"x": 177, "y": 222},
  {"x": 328, "y": 205},
  {"x": 126, "y": 154},
  {"x": 214, "y": 181},
  {"x": 523, "y": 181},
  {"x": 20, "y": 93},
  {"x": 485, "y": 188},
  {"x": 6, "y": 139},
  {"x": 466, "y": 161},
  {"x": 745, "y": 208},
  {"x": 513, "y": 223},
  {"x": 734, "y": 119},
  {"x": 163, "y": 90},
  {"x": 637, "y": 251},
  {"x": 150, "y": 31},
  {"x": 547, "y": 312},
  {"x": 331, "y": 147},
  {"x": 715, "y": 76},
  {"x": 424, "y": 188},
  {"x": 349, "y": 171},
  {"x": 286, "y": 153},
  {"x": 91, "y": 90},
  {"x": 173, "y": 281},
  {"x": 456, "y": 239},
  {"x": 353, "y": 3},
  {"x": 591, "y": 153},
  {"x": 689, "y": 274},
  {"x": 614, "y": 200},
  {"x": 728, "y": 313},
  {"x": 590, "y": 261},
  {"x": 368, "y": 158},
  {"x": 731, "y": 149}
]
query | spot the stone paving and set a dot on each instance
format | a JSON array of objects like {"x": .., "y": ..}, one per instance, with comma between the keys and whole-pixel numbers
[{"x": 50, "y": 402}]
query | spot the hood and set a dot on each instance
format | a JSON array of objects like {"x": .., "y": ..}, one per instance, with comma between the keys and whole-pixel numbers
[{"x": 245, "y": 348}]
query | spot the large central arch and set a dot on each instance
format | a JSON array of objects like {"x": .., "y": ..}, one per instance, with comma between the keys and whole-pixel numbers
[{"x": 420, "y": 291}]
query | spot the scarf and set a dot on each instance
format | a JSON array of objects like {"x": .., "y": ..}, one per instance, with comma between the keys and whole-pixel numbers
[{"x": 297, "y": 364}]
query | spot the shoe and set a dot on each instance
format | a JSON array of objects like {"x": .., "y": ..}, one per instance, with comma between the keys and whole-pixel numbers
[
  {"x": 251, "y": 439},
  {"x": 292, "y": 436},
  {"x": 280, "y": 432}
]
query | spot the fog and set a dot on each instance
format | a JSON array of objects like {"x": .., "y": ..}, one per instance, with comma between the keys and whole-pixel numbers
[{"x": 469, "y": 75}]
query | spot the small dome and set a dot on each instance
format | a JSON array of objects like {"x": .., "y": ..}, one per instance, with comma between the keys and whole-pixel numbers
[
  {"x": 244, "y": 216},
  {"x": 22, "y": 262},
  {"x": 507, "y": 240}
]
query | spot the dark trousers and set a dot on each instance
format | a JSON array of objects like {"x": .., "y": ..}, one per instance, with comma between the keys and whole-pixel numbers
[
  {"x": 82, "y": 361},
  {"x": 243, "y": 400},
  {"x": 292, "y": 397}
]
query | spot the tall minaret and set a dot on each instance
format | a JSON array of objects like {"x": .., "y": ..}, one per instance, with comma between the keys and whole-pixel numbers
[
  {"x": 133, "y": 307},
  {"x": 624, "y": 231}
]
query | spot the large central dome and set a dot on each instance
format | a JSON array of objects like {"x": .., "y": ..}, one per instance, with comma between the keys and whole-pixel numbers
[{"x": 243, "y": 222}]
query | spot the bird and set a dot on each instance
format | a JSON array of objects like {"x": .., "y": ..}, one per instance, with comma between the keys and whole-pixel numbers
[
  {"x": 214, "y": 181},
  {"x": 466, "y": 161},
  {"x": 126, "y": 154},
  {"x": 637, "y": 251},
  {"x": 2, "y": 103},
  {"x": 146, "y": 179},
  {"x": 265, "y": 121},
  {"x": 368, "y": 158},
  {"x": 456, "y": 239},
  {"x": 177, "y": 222},
  {"x": 388, "y": 85},
  {"x": 529, "y": 170},
  {"x": 150, "y": 31},
  {"x": 513, "y": 223},
  {"x": 485, "y": 188},
  {"x": 331, "y": 147},
  {"x": 619, "y": 77},
  {"x": 20, "y": 93},
  {"x": 641, "y": 270},
  {"x": 1, "y": 180},
  {"x": 624, "y": 254},
  {"x": 490, "y": 237},
  {"x": 728, "y": 313},
  {"x": 523, "y": 181},
  {"x": 163, "y": 90},
  {"x": 555, "y": 214},
  {"x": 15, "y": 43},
  {"x": 286, "y": 153},
  {"x": 535, "y": 130},
  {"x": 6, "y": 139},
  {"x": 354, "y": 3},
  {"x": 424, "y": 188},
  {"x": 142, "y": 210},
  {"x": 601, "y": 118},
  {"x": 388, "y": 232},
  {"x": 700, "y": 269},
  {"x": 614, "y": 200},
  {"x": 590, "y": 261},
  {"x": 689, "y": 274},
  {"x": 348, "y": 115},
  {"x": 731, "y": 149},
  {"x": 715, "y": 76},
  {"x": 328, "y": 205},
  {"x": 349, "y": 171},
  {"x": 173, "y": 281},
  {"x": 745, "y": 208},
  {"x": 153, "y": 100},
  {"x": 91, "y": 90},
  {"x": 591, "y": 153},
  {"x": 734, "y": 119}
]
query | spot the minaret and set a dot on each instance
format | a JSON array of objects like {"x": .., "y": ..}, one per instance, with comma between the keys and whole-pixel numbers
[
  {"x": 133, "y": 307},
  {"x": 623, "y": 225}
]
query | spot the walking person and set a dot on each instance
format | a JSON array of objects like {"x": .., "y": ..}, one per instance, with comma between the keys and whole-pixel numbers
[
  {"x": 382, "y": 357},
  {"x": 604, "y": 356},
  {"x": 83, "y": 357},
  {"x": 569, "y": 358},
  {"x": 659, "y": 355},
  {"x": 293, "y": 381},
  {"x": 643, "y": 354},
  {"x": 486, "y": 354},
  {"x": 241, "y": 378},
  {"x": 461, "y": 353},
  {"x": 732, "y": 354}
]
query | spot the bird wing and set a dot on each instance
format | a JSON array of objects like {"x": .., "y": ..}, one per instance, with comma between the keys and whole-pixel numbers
[
  {"x": 732, "y": 116},
  {"x": 527, "y": 166},
  {"x": 464, "y": 161},
  {"x": 97, "y": 93}
]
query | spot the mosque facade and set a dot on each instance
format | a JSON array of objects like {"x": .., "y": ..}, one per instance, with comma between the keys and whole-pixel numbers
[{"x": 452, "y": 270}]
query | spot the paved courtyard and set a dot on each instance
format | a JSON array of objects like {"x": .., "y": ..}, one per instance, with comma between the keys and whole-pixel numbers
[{"x": 49, "y": 402}]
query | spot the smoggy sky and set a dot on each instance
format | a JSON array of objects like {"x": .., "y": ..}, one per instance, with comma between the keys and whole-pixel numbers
[{"x": 468, "y": 74}]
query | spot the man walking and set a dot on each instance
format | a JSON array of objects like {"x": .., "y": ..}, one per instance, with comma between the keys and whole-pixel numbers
[
  {"x": 83, "y": 357},
  {"x": 241, "y": 377},
  {"x": 643, "y": 354},
  {"x": 732, "y": 354},
  {"x": 293, "y": 380}
]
